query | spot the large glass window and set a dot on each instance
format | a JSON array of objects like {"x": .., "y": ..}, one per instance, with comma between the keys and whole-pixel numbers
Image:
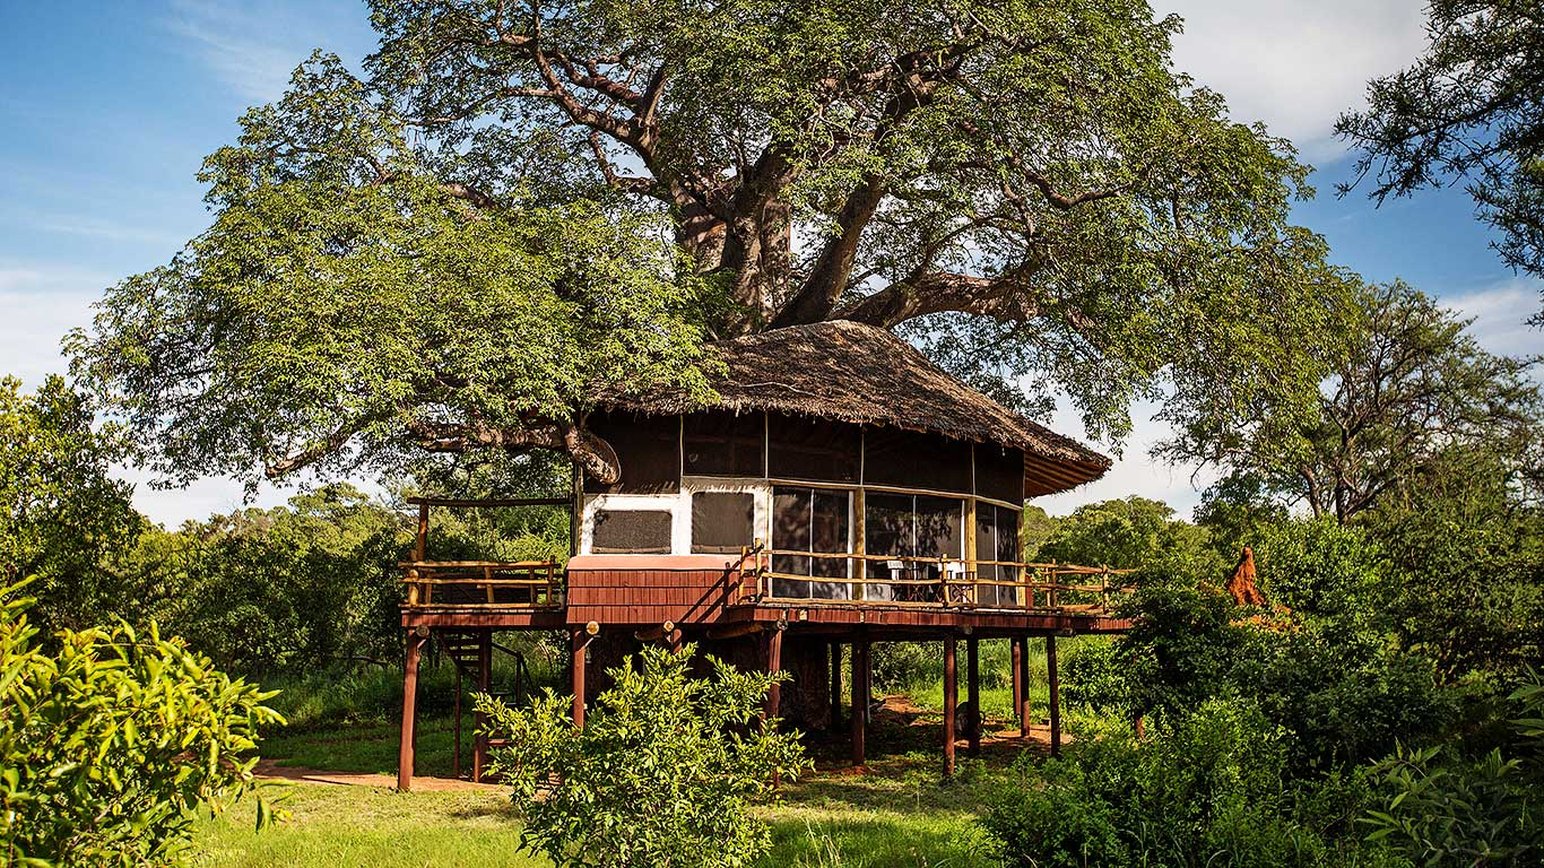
[
  {"x": 724, "y": 444},
  {"x": 817, "y": 522},
  {"x": 924, "y": 536},
  {"x": 631, "y": 531},
  {"x": 723, "y": 522},
  {"x": 997, "y": 539}
]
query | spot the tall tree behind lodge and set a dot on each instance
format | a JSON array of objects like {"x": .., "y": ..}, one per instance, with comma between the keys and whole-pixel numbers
[{"x": 1026, "y": 188}]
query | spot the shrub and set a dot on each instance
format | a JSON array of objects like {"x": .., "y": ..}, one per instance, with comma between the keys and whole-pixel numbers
[
  {"x": 662, "y": 773},
  {"x": 106, "y": 748}
]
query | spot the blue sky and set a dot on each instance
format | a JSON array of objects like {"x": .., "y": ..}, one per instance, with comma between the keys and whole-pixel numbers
[{"x": 109, "y": 110}]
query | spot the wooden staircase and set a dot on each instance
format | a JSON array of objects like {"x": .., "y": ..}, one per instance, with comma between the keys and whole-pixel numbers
[{"x": 471, "y": 651}]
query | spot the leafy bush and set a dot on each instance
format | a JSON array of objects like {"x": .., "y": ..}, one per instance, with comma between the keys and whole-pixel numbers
[
  {"x": 1210, "y": 791},
  {"x": 106, "y": 748},
  {"x": 1445, "y": 810},
  {"x": 661, "y": 774}
]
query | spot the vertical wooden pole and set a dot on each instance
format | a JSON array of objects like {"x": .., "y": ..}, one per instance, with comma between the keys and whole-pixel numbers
[
  {"x": 1016, "y": 644},
  {"x": 951, "y": 699},
  {"x": 774, "y": 665},
  {"x": 973, "y": 694},
  {"x": 421, "y": 542},
  {"x": 1055, "y": 702},
  {"x": 456, "y": 762},
  {"x": 836, "y": 686},
  {"x": 860, "y": 700},
  {"x": 579, "y": 641},
  {"x": 1026, "y": 706},
  {"x": 484, "y": 684},
  {"x": 415, "y": 647}
]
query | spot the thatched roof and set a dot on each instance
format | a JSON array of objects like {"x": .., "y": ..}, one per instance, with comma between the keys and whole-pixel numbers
[{"x": 848, "y": 372}]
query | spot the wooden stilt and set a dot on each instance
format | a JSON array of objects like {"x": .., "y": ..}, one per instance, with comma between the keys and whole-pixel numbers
[
  {"x": 860, "y": 700},
  {"x": 455, "y": 768},
  {"x": 1016, "y": 643},
  {"x": 1055, "y": 702},
  {"x": 951, "y": 700},
  {"x": 579, "y": 641},
  {"x": 836, "y": 686},
  {"x": 774, "y": 665},
  {"x": 973, "y": 694},
  {"x": 1026, "y": 706},
  {"x": 484, "y": 684},
  {"x": 415, "y": 647}
]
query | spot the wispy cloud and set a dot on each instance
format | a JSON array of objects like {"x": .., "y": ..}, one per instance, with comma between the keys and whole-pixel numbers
[
  {"x": 39, "y": 303},
  {"x": 248, "y": 46},
  {"x": 107, "y": 230},
  {"x": 1296, "y": 64},
  {"x": 1500, "y": 315}
]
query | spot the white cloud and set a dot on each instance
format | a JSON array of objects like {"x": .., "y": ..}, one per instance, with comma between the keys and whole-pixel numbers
[
  {"x": 1295, "y": 64},
  {"x": 39, "y": 303},
  {"x": 1500, "y": 316},
  {"x": 241, "y": 44}
]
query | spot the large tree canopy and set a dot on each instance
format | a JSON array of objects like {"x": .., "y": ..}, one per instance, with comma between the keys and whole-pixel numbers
[
  {"x": 1410, "y": 388},
  {"x": 524, "y": 203},
  {"x": 1471, "y": 108}
]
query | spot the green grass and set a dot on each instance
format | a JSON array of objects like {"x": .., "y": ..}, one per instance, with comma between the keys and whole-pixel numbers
[
  {"x": 898, "y": 814},
  {"x": 335, "y": 826}
]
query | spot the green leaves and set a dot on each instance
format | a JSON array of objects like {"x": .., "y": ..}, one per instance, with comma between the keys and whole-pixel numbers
[
  {"x": 662, "y": 773},
  {"x": 107, "y": 747}
]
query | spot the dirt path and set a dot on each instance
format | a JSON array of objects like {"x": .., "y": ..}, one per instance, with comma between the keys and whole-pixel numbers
[{"x": 271, "y": 770}]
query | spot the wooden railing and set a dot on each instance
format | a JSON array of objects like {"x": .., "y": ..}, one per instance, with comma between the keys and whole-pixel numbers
[
  {"x": 945, "y": 582},
  {"x": 484, "y": 584}
]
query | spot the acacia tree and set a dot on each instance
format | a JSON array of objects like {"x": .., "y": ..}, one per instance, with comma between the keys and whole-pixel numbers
[
  {"x": 1410, "y": 386},
  {"x": 1470, "y": 108},
  {"x": 524, "y": 204}
]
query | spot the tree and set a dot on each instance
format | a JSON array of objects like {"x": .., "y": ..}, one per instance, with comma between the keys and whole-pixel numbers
[
  {"x": 1132, "y": 533},
  {"x": 525, "y": 205},
  {"x": 63, "y": 519},
  {"x": 1409, "y": 383},
  {"x": 1471, "y": 108},
  {"x": 661, "y": 774},
  {"x": 109, "y": 746}
]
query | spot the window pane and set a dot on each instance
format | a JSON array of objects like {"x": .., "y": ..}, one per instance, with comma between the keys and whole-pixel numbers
[
  {"x": 723, "y": 522},
  {"x": 1008, "y": 550},
  {"x": 790, "y": 532},
  {"x": 724, "y": 444},
  {"x": 627, "y": 531},
  {"x": 986, "y": 550},
  {"x": 830, "y": 525},
  {"x": 888, "y": 529}
]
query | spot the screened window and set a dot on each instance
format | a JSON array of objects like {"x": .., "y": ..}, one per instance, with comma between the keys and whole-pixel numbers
[
  {"x": 722, "y": 521},
  {"x": 906, "y": 459},
  {"x": 724, "y": 444},
  {"x": 924, "y": 536},
  {"x": 648, "y": 451},
  {"x": 812, "y": 449},
  {"x": 999, "y": 473},
  {"x": 818, "y": 522},
  {"x": 631, "y": 531},
  {"x": 997, "y": 539}
]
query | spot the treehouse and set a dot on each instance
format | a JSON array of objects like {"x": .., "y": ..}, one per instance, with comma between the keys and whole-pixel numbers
[{"x": 841, "y": 490}]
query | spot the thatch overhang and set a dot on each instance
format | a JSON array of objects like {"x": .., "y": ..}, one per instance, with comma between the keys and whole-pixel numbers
[{"x": 849, "y": 372}]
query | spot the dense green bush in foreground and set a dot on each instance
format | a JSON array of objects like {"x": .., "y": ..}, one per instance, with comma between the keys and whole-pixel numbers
[
  {"x": 107, "y": 747},
  {"x": 662, "y": 774}
]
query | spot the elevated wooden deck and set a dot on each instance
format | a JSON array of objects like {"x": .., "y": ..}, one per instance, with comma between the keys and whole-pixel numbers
[{"x": 703, "y": 592}]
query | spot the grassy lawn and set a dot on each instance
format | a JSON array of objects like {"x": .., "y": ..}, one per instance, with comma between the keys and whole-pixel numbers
[{"x": 898, "y": 813}]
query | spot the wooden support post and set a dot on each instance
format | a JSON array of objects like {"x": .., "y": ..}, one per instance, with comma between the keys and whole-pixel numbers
[
  {"x": 415, "y": 647},
  {"x": 1055, "y": 702},
  {"x": 836, "y": 686},
  {"x": 774, "y": 666},
  {"x": 484, "y": 684},
  {"x": 1026, "y": 706},
  {"x": 455, "y": 768},
  {"x": 973, "y": 694},
  {"x": 421, "y": 541},
  {"x": 951, "y": 700},
  {"x": 860, "y": 699},
  {"x": 579, "y": 641},
  {"x": 1016, "y": 643}
]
